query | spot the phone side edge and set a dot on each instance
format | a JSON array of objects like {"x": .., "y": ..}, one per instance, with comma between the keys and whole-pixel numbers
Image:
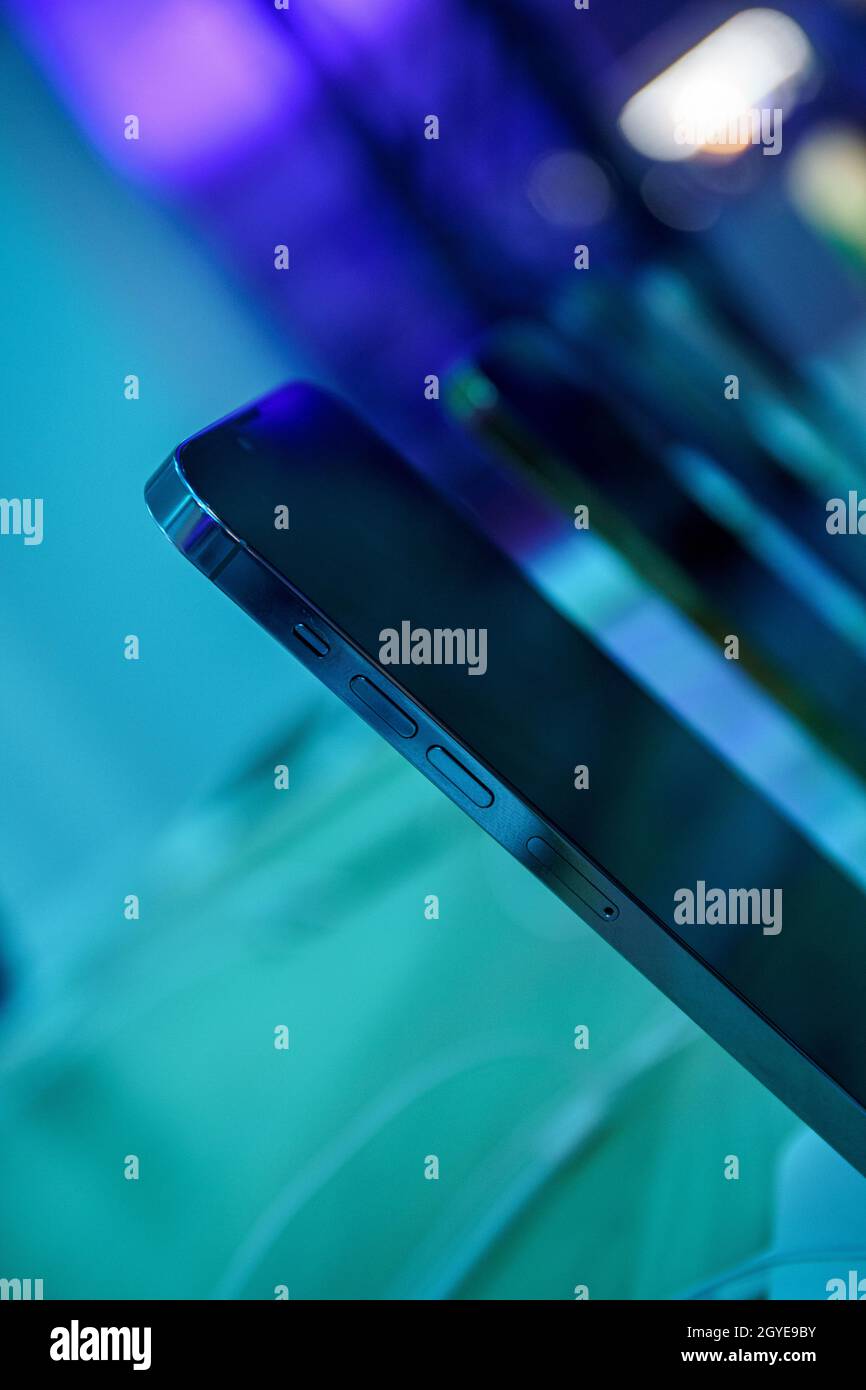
[{"x": 693, "y": 986}]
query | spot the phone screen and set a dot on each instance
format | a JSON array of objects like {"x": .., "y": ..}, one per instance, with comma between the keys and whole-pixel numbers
[{"x": 372, "y": 545}]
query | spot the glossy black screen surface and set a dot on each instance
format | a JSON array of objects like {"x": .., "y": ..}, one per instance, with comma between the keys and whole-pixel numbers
[{"x": 372, "y": 546}]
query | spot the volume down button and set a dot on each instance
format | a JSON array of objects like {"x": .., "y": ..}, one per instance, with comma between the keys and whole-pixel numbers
[{"x": 459, "y": 776}]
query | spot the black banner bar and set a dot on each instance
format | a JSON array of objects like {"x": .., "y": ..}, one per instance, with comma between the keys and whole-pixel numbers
[{"x": 154, "y": 1338}]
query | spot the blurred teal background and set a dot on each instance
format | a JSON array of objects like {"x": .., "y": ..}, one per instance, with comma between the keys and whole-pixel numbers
[{"x": 259, "y": 1168}]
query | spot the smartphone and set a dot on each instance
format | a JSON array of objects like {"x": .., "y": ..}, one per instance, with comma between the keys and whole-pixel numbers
[{"x": 387, "y": 591}]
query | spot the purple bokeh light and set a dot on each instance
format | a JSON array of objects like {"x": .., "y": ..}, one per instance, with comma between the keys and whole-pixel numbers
[
  {"x": 206, "y": 78},
  {"x": 363, "y": 14}
]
